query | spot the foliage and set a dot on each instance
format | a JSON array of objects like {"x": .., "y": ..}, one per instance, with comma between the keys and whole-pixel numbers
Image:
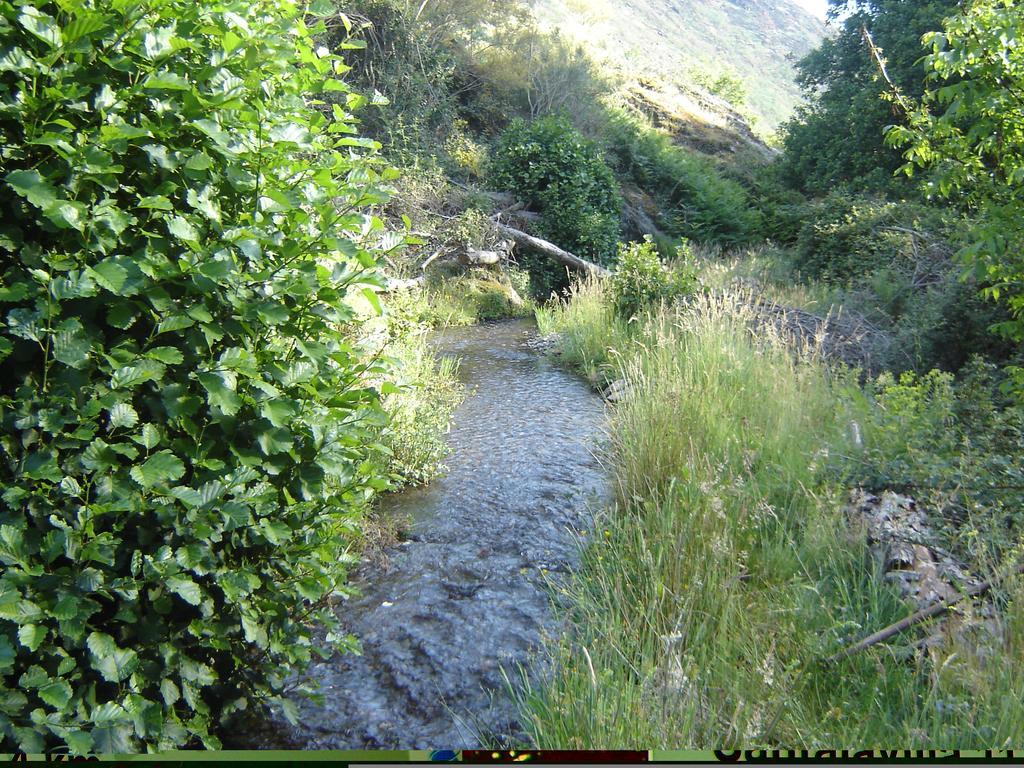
[
  {"x": 471, "y": 229},
  {"x": 641, "y": 281},
  {"x": 847, "y": 236},
  {"x": 533, "y": 73},
  {"x": 451, "y": 69},
  {"x": 469, "y": 156},
  {"x": 415, "y": 58},
  {"x": 969, "y": 132},
  {"x": 893, "y": 264},
  {"x": 549, "y": 166},
  {"x": 184, "y": 429},
  {"x": 727, "y": 83},
  {"x": 954, "y": 446},
  {"x": 782, "y": 209},
  {"x": 837, "y": 137},
  {"x": 698, "y": 201},
  {"x": 419, "y": 411}
]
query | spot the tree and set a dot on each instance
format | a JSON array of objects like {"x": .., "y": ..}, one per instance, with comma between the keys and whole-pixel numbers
[
  {"x": 837, "y": 138},
  {"x": 967, "y": 131}
]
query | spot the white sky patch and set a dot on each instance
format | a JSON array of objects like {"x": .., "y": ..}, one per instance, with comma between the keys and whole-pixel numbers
[{"x": 817, "y": 7}]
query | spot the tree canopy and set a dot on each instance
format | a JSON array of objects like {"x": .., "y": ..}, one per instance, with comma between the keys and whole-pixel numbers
[
  {"x": 967, "y": 131},
  {"x": 837, "y": 137}
]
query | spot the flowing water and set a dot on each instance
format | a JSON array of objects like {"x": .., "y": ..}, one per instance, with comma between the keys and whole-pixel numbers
[{"x": 469, "y": 593}]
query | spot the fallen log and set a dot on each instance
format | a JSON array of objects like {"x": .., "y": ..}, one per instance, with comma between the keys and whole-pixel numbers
[
  {"x": 552, "y": 251},
  {"x": 474, "y": 258},
  {"x": 395, "y": 284},
  {"x": 927, "y": 613}
]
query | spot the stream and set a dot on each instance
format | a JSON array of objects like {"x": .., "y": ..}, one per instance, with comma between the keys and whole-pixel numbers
[{"x": 469, "y": 593}]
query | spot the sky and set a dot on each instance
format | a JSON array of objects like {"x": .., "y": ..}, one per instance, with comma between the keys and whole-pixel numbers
[{"x": 817, "y": 7}]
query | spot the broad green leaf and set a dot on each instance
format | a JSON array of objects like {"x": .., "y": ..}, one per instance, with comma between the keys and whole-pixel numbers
[
  {"x": 186, "y": 589},
  {"x": 100, "y": 644},
  {"x": 57, "y": 694},
  {"x": 66, "y": 214},
  {"x": 150, "y": 437},
  {"x": 33, "y": 187},
  {"x": 175, "y": 323},
  {"x": 273, "y": 312},
  {"x": 112, "y": 738},
  {"x": 371, "y": 296},
  {"x": 130, "y": 376},
  {"x": 156, "y": 202},
  {"x": 7, "y": 653},
  {"x": 169, "y": 691},
  {"x": 253, "y": 630},
  {"x": 74, "y": 285},
  {"x": 190, "y": 497},
  {"x": 157, "y": 42},
  {"x": 41, "y": 25},
  {"x": 66, "y": 608},
  {"x": 84, "y": 25},
  {"x": 276, "y": 440},
  {"x": 123, "y": 415},
  {"x": 168, "y": 355},
  {"x": 279, "y": 412},
  {"x": 182, "y": 229},
  {"x": 13, "y": 293},
  {"x": 70, "y": 346},
  {"x": 219, "y": 394},
  {"x": 43, "y": 466},
  {"x": 11, "y": 702},
  {"x": 79, "y": 742},
  {"x": 109, "y": 274},
  {"x": 166, "y": 81},
  {"x": 275, "y": 531},
  {"x": 159, "y": 469},
  {"x": 31, "y": 635},
  {"x": 118, "y": 665}
]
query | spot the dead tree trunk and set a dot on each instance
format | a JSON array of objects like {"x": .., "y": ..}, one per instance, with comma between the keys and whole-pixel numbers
[{"x": 552, "y": 251}]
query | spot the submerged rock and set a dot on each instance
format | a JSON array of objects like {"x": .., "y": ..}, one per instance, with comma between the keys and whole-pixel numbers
[{"x": 617, "y": 391}]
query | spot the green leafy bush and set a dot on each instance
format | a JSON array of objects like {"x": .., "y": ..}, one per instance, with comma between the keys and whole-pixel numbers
[
  {"x": 548, "y": 165},
  {"x": 641, "y": 280},
  {"x": 726, "y": 83},
  {"x": 184, "y": 427},
  {"x": 894, "y": 263},
  {"x": 847, "y": 236}
]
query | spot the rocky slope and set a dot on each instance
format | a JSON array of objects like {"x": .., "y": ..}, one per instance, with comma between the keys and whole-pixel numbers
[{"x": 670, "y": 39}]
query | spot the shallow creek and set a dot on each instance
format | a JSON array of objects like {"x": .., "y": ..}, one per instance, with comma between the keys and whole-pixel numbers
[{"x": 470, "y": 591}]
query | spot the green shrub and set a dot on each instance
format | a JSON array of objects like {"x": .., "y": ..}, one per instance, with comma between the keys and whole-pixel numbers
[
  {"x": 553, "y": 169},
  {"x": 641, "y": 280},
  {"x": 183, "y": 429},
  {"x": 726, "y": 83},
  {"x": 847, "y": 237},
  {"x": 894, "y": 263}
]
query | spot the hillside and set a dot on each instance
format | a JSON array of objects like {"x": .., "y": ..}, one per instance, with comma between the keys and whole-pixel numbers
[{"x": 669, "y": 39}]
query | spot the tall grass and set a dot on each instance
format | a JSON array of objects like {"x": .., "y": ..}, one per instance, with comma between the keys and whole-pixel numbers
[{"x": 727, "y": 569}]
